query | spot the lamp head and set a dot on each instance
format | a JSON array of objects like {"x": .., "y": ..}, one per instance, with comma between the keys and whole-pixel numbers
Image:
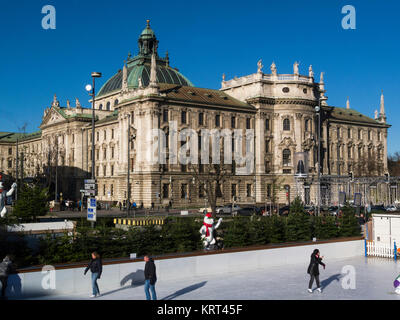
[
  {"x": 96, "y": 75},
  {"x": 317, "y": 108},
  {"x": 88, "y": 88}
]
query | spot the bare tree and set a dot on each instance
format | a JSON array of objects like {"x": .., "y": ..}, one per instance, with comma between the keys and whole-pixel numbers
[{"x": 210, "y": 177}]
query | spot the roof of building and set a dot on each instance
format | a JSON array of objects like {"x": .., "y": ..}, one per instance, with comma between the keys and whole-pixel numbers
[
  {"x": 202, "y": 96},
  {"x": 11, "y": 137},
  {"x": 351, "y": 115}
]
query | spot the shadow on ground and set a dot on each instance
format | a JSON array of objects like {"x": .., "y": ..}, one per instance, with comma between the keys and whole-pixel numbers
[
  {"x": 185, "y": 290},
  {"x": 136, "y": 279}
]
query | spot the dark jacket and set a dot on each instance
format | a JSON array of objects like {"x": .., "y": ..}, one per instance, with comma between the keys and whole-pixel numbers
[
  {"x": 150, "y": 271},
  {"x": 5, "y": 267},
  {"x": 95, "y": 266},
  {"x": 313, "y": 268}
]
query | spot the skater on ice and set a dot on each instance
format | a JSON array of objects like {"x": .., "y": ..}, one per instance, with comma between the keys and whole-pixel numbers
[
  {"x": 207, "y": 232},
  {"x": 313, "y": 270}
]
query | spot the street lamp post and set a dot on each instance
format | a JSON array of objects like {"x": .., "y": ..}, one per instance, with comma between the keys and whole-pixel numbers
[
  {"x": 92, "y": 93},
  {"x": 318, "y": 111}
]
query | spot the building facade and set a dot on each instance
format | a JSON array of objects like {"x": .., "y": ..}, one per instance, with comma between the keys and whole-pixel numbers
[{"x": 147, "y": 93}]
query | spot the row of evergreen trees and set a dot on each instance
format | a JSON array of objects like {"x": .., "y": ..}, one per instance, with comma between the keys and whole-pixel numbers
[{"x": 181, "y": 234}]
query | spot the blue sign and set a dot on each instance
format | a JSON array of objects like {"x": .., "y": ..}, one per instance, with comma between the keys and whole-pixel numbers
[{"x": 93, "y": 202}]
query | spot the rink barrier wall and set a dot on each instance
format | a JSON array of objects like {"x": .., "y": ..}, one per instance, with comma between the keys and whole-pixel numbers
[{"x": 117, "y": 274}]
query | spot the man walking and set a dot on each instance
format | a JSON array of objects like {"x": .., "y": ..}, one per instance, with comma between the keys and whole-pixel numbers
[
  {"x": 150, "y": 278},
  {"x": 5, "y": 269}
]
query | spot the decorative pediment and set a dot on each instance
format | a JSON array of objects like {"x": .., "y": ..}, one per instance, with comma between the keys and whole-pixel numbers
[{"x": 52, "y": 117}]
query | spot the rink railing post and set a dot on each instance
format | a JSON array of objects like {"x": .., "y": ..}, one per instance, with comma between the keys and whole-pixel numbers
[
  {"x": 395, "y": 251},
  {"x": 365, "y": 247}
]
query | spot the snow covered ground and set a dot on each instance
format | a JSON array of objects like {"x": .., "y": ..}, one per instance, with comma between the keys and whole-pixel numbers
[{"x": 373, "y": 280}]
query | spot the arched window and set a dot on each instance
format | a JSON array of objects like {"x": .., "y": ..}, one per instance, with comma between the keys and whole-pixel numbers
[
  {"x": 100, "y": 107},
  {"x": 108, "y": 106},
  {"x": 286, "y": 124},
  {"x": 286, "y": 155},
  {"x": 116, "y": 102}
]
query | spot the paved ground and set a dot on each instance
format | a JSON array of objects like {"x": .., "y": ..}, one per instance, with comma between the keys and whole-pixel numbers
[{"x": 374, "y": 280}]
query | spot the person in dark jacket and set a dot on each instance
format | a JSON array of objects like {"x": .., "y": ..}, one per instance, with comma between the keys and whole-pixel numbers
[
  {"x": 5, "y": 269},
  {"x": 313, "y": 269},
  {"x": 150, "y": 278},
  {"x": 96, "y": 267}
]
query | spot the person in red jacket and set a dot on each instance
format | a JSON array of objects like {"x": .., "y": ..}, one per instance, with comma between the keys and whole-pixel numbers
[{"x": 313, "y": 269}]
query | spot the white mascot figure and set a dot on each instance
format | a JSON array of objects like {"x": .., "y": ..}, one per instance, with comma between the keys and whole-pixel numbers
[
  {"x": 3, "y": 197},
  {"x": 207, "y": 230}
]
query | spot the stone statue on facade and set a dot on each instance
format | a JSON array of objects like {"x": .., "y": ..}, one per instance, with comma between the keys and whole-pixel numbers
[
  {"x": 223, "y": 77},
  {"x": 296, "y": 68},
  {"x": 310, "y": 72},
  {"x": 3, "y": 196},
  {"x": 259, "y": 66},
  {"x": 273, "y": 69}
]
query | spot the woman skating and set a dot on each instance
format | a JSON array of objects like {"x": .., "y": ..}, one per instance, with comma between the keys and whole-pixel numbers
[
  {"x": 313, "y": 270},
  {"x": 96, "y": 267}
]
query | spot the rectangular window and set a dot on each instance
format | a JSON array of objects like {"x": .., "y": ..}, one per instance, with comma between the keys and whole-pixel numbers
[
  {"x": 233, "y": 122},
  {"x": 269, "y": 188},
  {"x": 73, "y": 138},
  {"x": 105, "y": 135},
  {"x": 266, "y": 145},
  {"x": 97, "y": 154},
  {"x": 248, "y": 123},
  {"x": 201, "y": 190},
  {"x": 105, "y": 154},
  {"x": 132, "y": 117},
  {"x": 112, "y": 133},
  {"x": 267, "y": 167},
  {"x": 233, "y": 190},
  {"x": 9, "y": 151},
  {"x": 183, "y": 117},
  {"x": 112, "y": 152},
  {"x": 104, "y": 189},
  {"x": 266, "y": 124},
  {"x": 165, "y": 115},
  {"x": 112, "y": 170},
  {"x": 183, "y": 167},
  {"x": 112, "y": 190},
  {"x": 217, "y": 120},
  {"x": 165, "y": 191},
  {"x": 348, "y": 133},
  {"x": 248, "y": 190},
  {"x": 184, "y": 191},
  {"x": 201, "y": 119},
  {"x": 9, "y": 163},
  {"x": 98, "y": 136}
]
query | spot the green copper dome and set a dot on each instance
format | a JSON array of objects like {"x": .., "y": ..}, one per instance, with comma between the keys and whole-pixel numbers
[{"x": 139, "y": 67}]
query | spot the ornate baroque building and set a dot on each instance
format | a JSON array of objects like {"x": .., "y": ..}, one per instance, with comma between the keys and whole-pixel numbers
[{"x": 148, "y": 93}]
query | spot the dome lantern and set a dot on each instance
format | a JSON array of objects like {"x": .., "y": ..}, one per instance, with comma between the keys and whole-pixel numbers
[{"x": 148, "y": 42}]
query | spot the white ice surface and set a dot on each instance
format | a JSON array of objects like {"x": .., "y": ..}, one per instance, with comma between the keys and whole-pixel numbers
[{"x": 374, "y": 280}]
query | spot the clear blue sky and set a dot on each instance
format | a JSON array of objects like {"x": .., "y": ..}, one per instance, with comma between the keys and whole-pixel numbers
[{"x": 205, "y": 39}]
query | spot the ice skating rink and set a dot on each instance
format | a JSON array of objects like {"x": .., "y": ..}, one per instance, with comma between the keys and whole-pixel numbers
[{"x": 373, "y": 280}]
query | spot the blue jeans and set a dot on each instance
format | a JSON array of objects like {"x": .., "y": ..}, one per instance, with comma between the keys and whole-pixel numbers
[
  {"x": 95, "y": 287},
  {"x": 152, "y": 287}
]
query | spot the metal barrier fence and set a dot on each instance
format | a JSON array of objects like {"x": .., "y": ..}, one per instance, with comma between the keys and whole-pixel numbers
[{"x": 140, "y": 221}]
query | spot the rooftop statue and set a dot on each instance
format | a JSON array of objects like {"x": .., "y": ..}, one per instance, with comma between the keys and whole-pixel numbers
[
  {"x": 296, "y": 68},
  {"x": 273, "y": 69},
  {"x": 310, "y": 72},
  {"x": 259, "y": 66}
]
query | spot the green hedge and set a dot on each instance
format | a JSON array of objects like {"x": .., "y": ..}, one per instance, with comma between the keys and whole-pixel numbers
[
  {"x": 181, "y": 234},
  {"x": 178, "y": 235}
]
